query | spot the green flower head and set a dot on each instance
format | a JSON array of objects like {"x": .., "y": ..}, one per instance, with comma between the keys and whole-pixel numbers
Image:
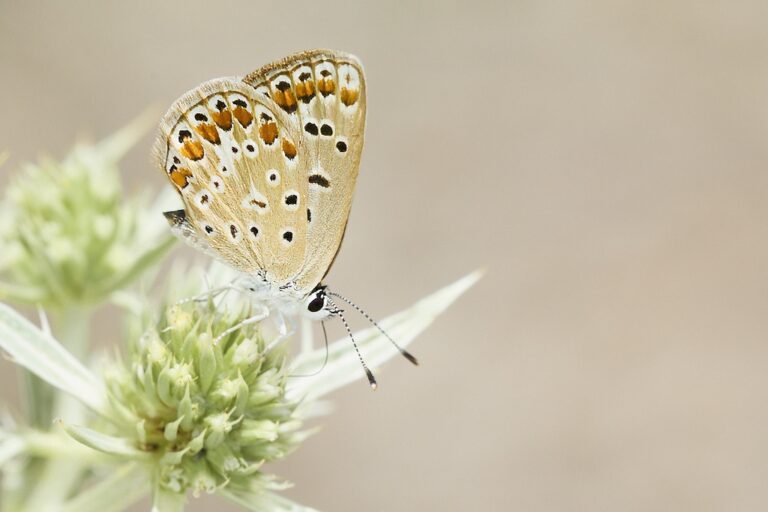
[
  {"x": 67, "y": 235},
  {"x": 207, "y": 415}
]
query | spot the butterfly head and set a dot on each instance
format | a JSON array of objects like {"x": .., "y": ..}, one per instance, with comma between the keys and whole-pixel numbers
[{"x": 317, "y": 305}]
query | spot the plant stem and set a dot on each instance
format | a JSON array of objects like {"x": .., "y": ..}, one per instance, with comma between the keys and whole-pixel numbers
[
  {"x": 72, "y": 326},
  {"x": 55, "y": 481},
  {"x": 38, "y": 400},
  {"x": 41, "y": 403}
]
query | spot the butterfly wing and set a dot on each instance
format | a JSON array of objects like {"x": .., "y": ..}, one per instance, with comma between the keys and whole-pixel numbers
[
  {"x": 322, "y": 93},
  {"x": 183, "y": 230},
  {"x": 234, "y": 157}
]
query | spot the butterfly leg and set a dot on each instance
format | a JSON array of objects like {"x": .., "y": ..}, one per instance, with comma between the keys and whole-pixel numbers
[
  {"x": 285, "y": 329},
  {"x": 258, "y": 317},
  {"x": 209, "y": 294},
  {"x": 283, "y": 325}
]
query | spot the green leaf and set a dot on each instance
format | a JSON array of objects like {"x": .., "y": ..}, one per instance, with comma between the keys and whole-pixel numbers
[
  {"x": 111, "y": 445},
  {"x": 120, "y": 489},
  {"x": 42, "y": 355},
  {"x": 54, "y": 444},
  {"x": 343, "y": 366},
  {"x": 263, "y": 501}
]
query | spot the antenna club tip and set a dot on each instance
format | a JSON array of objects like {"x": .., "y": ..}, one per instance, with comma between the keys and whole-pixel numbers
[
  {"x": 371, "y": 379},
  {"x": 410, "y": 357}
]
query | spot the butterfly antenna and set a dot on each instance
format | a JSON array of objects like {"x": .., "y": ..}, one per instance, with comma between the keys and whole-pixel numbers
[
  {"x": 325, "y": 361},
  {"x": 404, "y": 352},
  {"x": 371, "y": 379}
]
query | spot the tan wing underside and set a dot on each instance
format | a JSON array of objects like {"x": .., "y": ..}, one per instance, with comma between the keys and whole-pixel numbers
[
  {"x": 323, "y": 93},
  {"x": 236, "y": 161},
  {"x": 312, "y": 137}
]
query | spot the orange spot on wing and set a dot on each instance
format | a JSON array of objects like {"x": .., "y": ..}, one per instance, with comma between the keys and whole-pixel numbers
[
  {"x": 285, "y": 99},
  {"x": 326, "y": 86},
  {"x": 208, "y": 132},
  {"x": 180, "y": 176},
  {"x": 289, "y": 149},
  {"x": 349, "y": 96},
  {"x": 243, "y": 116},
  {"x": 305, "y": 90},
  {"x": 192, "y": 149},
  {"x": 223, "y": 119},
  {"x": 268, "y": 132}
]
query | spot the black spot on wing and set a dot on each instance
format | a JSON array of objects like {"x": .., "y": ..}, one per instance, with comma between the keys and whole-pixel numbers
[{"x": 319, "y": 179}]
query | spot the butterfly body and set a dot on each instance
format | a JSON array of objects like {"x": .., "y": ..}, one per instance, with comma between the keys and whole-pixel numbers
[
  {"x": 285, "y": 299},
  {"x": 266, "y": 167}
]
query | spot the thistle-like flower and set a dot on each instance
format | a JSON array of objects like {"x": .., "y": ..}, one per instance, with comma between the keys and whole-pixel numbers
[
  {"x": 206, "y": 415},
  {"x": 67, "y": 235}
]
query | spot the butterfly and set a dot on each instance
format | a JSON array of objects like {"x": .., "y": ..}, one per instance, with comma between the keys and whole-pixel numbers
[{"x": 266, "y": 168}]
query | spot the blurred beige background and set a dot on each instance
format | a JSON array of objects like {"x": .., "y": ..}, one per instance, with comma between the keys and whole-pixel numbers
[{"x": 606, "y": 161}]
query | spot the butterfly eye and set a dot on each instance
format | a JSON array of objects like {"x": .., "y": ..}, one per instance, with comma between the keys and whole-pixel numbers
[{"x": 316, "y": 304}]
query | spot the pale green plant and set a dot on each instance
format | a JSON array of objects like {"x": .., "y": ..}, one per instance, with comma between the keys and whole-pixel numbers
[
  {"x": 175, "y": 415},
  {"x": 69, "y": 236}
]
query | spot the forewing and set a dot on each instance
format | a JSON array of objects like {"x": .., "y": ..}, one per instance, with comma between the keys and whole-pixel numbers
[
  {"x": 236, "y": 161},
  {"x": 322, "y": 92},
  {"x": 183, "y": 230}
]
